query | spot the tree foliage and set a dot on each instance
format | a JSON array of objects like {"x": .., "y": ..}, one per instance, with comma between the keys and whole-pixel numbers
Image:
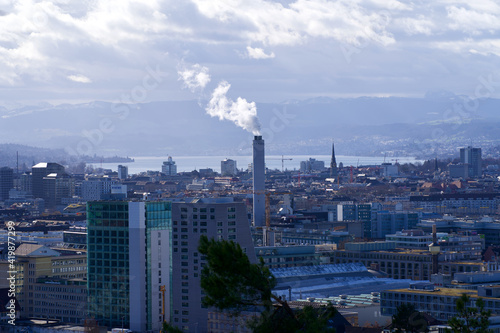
[
  {"x": 232, "y": 283},
  {"x": 408, "y": 319},
  {"x": 469, "y": 318},
  {"x": 167, "y": 328}
]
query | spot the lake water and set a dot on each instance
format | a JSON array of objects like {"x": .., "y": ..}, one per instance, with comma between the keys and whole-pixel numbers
[{"x": 190, "y": 163}]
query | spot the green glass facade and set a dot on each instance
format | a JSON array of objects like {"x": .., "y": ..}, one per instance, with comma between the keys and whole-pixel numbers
[
  {"x": 108, "y": 262},
  {"x": 111, "y": 277}
]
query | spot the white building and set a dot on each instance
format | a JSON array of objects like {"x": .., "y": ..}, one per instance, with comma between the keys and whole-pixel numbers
[
  {"x": 312, "y": 165},
  {"x": 228, "y": 167}
]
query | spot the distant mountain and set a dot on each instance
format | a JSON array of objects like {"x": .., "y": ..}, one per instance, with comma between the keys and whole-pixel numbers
[{"x": 424, "y": 127}]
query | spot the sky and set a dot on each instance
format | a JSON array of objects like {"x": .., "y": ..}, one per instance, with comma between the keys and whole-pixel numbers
[{"x": 240, "y": 51}]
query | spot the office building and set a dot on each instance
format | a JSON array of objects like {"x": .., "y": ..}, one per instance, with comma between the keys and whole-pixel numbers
[
  {"x": 128, "y": 263},
  {"x": 48, "y": 284},
  {"x": 216, "y": 218},
  {"x": 405, "y": 263},
  {"x": 471, "y": 158},
  {"x": 95, "y": 188},
  {"x": 439, "y": 303},
  {"x": 169, "y": 168},
  {"x": 6, "y": 182},
  {"x": 228, "y": 167},
  {"x": 470, "y": 166},
  {"x": 122, "y": 172},
  {"x": 56, "y": 187},
  {"x": 40, "y": 171},
  {"x": 312, "y": 165}
]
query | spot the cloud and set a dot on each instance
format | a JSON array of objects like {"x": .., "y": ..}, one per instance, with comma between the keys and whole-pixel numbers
[
  {"x": 275, "y": 24},
  {"x": 79, "y": 78},
  {"x": 194, "y": 78},
  {"x": 258, "y": 53},
  {"x": 241, "y": 112}
]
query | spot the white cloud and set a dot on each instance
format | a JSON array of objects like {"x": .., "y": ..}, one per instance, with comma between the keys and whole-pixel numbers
[
  {"x": 258, "y": 53},
  {"x": 194, "y": 78},
  {"x": 113, "y": 41},
  {"x": 472, "y": 21},
  {"x": 79, "y": 78}
]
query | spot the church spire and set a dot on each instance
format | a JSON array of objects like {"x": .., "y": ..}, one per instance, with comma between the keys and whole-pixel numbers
[{"x": 333, "y": 163}]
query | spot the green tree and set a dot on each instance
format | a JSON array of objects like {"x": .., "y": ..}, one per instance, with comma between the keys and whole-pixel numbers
[
  {"x": 232, "y": 283},
  {"x": 470, "y": 319},
  {"x": 167, "y": 328},
  {"x": 408, "y": 319}
]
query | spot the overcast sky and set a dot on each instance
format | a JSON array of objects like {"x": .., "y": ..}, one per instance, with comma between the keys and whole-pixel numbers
[{"x": 77, "y": 51}]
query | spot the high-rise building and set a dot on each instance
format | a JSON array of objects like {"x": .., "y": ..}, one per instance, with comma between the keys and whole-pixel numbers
[
  {"x": 228, "y": 167},
  {"x": 219, "y": 218},
  {"x": 40, "y": 171},
  {"x": 57, "y": 186},
  {"x": 6, "y": 182},
  {"x": 122, "y": 172},
  {"x": 169, "y": 168},
  {"x": 471, "y": 159},
  {"x": 129, "y": 260}
]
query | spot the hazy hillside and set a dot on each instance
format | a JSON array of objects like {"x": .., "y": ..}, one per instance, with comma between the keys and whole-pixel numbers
[{"x": 359, "y": 126}]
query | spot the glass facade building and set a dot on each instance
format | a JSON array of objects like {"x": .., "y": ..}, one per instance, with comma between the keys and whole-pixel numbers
[{"x": 128, "y": 254}]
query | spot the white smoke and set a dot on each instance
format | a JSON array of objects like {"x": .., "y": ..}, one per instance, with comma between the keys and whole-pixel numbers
[
  {"x": 194, "y": 78},
  {"x": 241, "y": 112}
]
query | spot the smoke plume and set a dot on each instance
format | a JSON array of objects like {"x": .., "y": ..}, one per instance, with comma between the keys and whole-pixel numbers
[
  {"x": 194, "y": 78},
  {"x": 241, "y": 112}
]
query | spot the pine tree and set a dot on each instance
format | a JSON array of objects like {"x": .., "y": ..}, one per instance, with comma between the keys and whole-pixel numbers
[{"x": 232, "y": 283}]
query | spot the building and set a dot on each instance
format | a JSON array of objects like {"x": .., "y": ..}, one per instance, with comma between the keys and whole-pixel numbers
[
  {"x": 390, "y": 170},
  {"x": 216, "y": 218},
  {"x": 439, "y": 303},
  {"x": 128, "y": 263},
  {"x": 486, "y": 226},
  {"x": 6, "y": 182},
  {"x": 39, "y": 172},
  {"x": 404, "y": 263},
  {"x": 95, "y": 188},
  {"x": 61, "y": 299},
  {"x": 228, "y": 167},
  {"x": 294, "y": 256},
  {"x": 169, "y": 168},
  {"x": 56, "y": 187},
  {"x": 122, "y": 172},
  {"x": 43, "y": 276},
  {"x": 467, "y": 242},
  {"x": 311, "y": 165},
  {"x": 456, "y": 203},
  {"x": 471, "y": 159}
]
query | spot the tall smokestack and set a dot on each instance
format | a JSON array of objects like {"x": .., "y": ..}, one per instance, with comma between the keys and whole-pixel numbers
[{"x": 259, "y": 181}]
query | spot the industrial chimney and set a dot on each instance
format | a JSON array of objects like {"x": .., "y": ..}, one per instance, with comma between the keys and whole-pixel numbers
[{"x": 259, "y": 181}]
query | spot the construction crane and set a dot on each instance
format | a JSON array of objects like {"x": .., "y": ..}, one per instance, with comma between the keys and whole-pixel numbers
[
  {"x": 162, "y": 289},
  {"x": 282, "y": 161}
]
